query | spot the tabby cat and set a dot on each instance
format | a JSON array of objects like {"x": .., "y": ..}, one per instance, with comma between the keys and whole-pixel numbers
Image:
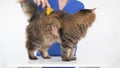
[{"x": 71, "y": 28}]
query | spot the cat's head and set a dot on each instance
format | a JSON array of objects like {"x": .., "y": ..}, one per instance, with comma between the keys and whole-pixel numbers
[{"x": 87, "y": 15}]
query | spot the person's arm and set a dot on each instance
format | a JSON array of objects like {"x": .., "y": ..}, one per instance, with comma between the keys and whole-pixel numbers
[{"x": 62, "y": 4}]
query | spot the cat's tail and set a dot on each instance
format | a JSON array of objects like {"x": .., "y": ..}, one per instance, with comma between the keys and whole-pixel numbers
[{"x": 29, "y": 8}]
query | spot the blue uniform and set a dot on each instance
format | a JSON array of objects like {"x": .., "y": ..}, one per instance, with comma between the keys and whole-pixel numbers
[{"x": 73, "y": 6}]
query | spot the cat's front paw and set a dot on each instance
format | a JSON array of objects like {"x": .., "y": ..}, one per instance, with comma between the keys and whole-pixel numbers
[
  {"x": 66, "y": 59},
  {"x": 73, "y": 58},
  {"x": 47, "y": 57},
  {"x": 32, "y": 58}
]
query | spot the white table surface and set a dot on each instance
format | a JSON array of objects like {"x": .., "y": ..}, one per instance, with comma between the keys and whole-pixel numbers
[{"x": 53, "y": 62}]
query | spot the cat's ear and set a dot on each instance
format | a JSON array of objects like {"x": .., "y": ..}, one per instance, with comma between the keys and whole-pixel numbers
[{"x": 93, "y": 10}]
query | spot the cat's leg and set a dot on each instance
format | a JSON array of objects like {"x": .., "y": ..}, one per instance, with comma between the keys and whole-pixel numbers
[
  {"x": 31, "y": 49},
  {"x": 65, "y": 54},
  {"x": 72, "y": 57},
  {"x": 44, "y": 53},
  {"x": 31, "y": 54}
]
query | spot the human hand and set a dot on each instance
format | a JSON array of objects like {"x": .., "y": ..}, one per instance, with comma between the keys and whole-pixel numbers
[
  {"x": 43, "y": 3},
  {"x": 21, "y": 1}
]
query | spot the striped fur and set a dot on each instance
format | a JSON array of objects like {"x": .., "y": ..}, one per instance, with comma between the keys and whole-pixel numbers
[{"x": 71, "y": 28}]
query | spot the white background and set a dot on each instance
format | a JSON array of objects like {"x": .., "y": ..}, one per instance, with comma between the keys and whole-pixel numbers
[{"x": 101, "y": 46}]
